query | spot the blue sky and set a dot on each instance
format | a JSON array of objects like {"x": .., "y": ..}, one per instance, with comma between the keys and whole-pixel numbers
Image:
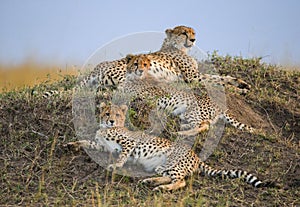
[{"x": 68, "y": 32}]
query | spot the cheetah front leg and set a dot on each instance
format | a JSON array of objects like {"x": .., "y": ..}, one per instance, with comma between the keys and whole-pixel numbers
[
  {"x": 203, "y": 126},
  {"x": 85, "y": 144},
  {"x": 122, "y": 159}
]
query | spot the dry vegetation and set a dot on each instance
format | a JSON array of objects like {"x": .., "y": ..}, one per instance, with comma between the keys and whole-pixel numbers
[
  {"x": 36, "y": 170},
  {"x": 30, "y": 73}
]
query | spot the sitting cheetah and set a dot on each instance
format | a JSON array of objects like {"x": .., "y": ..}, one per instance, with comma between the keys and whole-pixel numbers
[{"x": 172, "y": 161}]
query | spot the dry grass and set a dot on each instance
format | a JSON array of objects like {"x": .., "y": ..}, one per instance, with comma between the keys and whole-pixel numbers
[
  {"x": 36, "y": 170},
  {"x": 30, "y": 74}
]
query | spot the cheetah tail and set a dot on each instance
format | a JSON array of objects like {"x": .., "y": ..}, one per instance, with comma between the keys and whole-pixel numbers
[
  {"x": 233, "y": 122},
  {"x": 50, "y": 93},
  {"x": 248, "y": 177}
]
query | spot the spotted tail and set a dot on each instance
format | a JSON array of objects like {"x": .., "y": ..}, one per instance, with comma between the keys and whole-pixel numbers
[
  {"x": 233, "y": 122},
  {"x": 50, "y": 93},
  {"x": 56, "y": 93},
  {"x": 248, "y": 177}
]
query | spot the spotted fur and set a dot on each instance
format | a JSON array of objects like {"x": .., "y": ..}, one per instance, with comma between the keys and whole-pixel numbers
[
  {"x": 164, "y": 67},
  {"x": 171, "y": 161},
  {"x": 111, "y": 73},
  {"x": 197, "y": 112},
  {"x": 170, "y": 63}
]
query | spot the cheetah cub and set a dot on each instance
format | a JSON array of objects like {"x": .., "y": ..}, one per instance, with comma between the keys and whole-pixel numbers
[{"x": 171, "y": 161}]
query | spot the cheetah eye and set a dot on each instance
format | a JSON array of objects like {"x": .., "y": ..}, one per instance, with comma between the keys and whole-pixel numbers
[
  {"x": 118, "y": 115},
  {"x": 145, "y": 65},
  {"x": 184, "y": 33},
  {"x": 135, "y": 64},
  {"x": 107, "y": 114}
]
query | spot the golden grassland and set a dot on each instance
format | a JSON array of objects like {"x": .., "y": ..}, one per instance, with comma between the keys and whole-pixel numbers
[{"x": 30, "y": 74}]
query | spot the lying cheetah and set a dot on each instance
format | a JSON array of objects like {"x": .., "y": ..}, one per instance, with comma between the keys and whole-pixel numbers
[
  {"x": 161, "y": 67},
  {"x": 196, "y": 112},
  {"x": 171, "y": 161}
]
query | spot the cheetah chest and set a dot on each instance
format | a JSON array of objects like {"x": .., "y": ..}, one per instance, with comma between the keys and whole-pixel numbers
[
  {"x": 163, "y": 72},
  {"x": 150, "y": 153},
  {"x": 146, "y": 150}
]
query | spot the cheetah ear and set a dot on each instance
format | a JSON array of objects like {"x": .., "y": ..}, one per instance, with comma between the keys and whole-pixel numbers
[
  {"x": 102, "y": 105},
  {"x": 129, "y": 57},
  {"x": 168, "y": 32},
  {"x": 124, "y": 108}
]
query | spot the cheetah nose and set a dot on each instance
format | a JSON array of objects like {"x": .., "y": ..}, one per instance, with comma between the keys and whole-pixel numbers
[
  {"x": 111, "y": 122},
  {"x": 192, "y": 40}
]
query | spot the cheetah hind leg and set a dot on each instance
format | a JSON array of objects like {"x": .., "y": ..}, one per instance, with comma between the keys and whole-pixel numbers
[
  {"x": 175, "y": 185},
  {"x": 155, "y": 181},
  {"x": 241, "y": 91},
  {"x": 203, "y": 126},
  {"x": 164, "y": 183},
  {"x": 238, "y": 85}
]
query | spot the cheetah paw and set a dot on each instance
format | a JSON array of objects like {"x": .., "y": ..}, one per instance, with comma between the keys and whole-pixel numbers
[
  {"x": 114, "y": 167},
  {"x": 75, "y": 145},
  {"x": 146, "y": 181}
]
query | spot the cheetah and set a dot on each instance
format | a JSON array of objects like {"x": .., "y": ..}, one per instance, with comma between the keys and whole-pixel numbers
[
  {"x": 171, "y": 161},
  {"x": 112, "y": 73},
  {"x": 173, "y": 52},
  {"x": 161, "y": 67},
  {"x": 196, "y": 112}
]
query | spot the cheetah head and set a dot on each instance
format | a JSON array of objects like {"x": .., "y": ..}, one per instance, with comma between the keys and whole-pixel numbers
[
  {"x": 112, "y": 115},
  {"x": 137, "y": 66},
  {"x": 181, "y": 37}
]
